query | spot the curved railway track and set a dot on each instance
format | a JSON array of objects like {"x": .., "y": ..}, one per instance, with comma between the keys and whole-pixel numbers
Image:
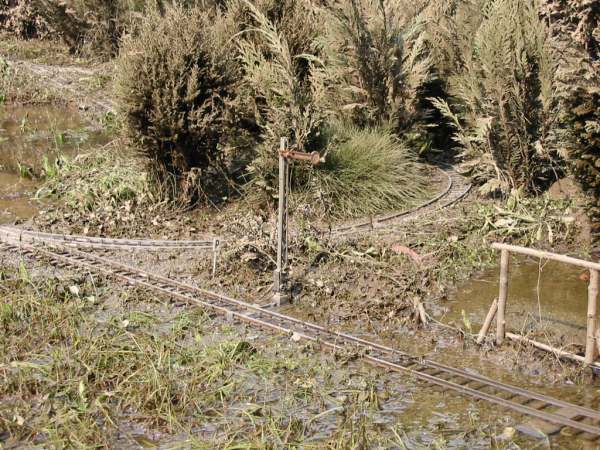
[
  {"x": 455, "y": 189},
  {"x": 581, "y": 421}
]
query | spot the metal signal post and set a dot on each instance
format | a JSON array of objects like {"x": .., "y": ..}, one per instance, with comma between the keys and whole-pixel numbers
[{"x": 280, "y": 274}]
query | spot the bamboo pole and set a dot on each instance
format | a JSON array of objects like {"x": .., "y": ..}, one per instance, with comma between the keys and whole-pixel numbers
[
  {"x": 503, "y": 294},
  {"x": 547, "y": 255},
  {"x": 590, "y": 347},
  {"x": 488, "y": 321},
  {"x": 558, "y": 352}
]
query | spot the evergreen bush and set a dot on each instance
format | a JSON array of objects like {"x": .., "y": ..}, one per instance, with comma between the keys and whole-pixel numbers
[
  {"x": 503, "y": 103},
  {"x": 177, "y": 84}
]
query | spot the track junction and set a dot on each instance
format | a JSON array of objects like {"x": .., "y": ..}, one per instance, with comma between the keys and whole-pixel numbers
[{"x": 65, "y": 251}]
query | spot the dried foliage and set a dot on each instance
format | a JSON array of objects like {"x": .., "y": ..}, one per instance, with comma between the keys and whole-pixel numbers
[
  {"x": 22, "y": 18},
  {"x": 90, "y": 27},
  {"x": 177, "y": 83},
  {"x": 576, "y": 28},
  {"x": 575, "y": 20},
  {"x": 283, "y": 80},
  {"x": 365, "y": 67},
  {"x": 375, "y": 55},
  {"x": 503, "y": 103}
]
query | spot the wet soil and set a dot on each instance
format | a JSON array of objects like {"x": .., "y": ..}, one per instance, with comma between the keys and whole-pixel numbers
[
  {"x": 421, "y": 415},
  {"x": 30, "y": 138}
]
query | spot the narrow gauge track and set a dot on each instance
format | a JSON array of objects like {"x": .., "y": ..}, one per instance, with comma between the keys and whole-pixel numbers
[
  {"x": 455, "y": 189},
  {"x": 27, "y": 236},
  {"x": 582, "y": 422}
]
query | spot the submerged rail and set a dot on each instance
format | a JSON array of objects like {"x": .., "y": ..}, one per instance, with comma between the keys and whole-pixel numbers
[{"x": 580, "y": 420}]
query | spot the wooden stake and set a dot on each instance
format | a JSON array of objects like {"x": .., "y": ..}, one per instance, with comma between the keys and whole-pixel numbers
[
  {"x": 281, "y": 217},
  {"x": 500, "y": 319},
  {"x": 590, "y": 347},
  {"x": 420, "y": 310},
  {"x": 488, "y": 321}
]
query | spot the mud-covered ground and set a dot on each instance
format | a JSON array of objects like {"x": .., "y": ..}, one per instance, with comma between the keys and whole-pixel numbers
[{"x": 93, "y": 363}]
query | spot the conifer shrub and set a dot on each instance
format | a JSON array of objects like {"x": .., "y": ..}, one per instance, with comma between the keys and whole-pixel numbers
[
  {"x": 177, "y": 83},
  {"x": 582, "y": 114},
  {"x": 282, "y": 81},
  {"x": 576, "y": 29},
  {"x": 376, "y": 55},
  {"x": 22, "y": 18},
  {"x": 502, "y": 104}
]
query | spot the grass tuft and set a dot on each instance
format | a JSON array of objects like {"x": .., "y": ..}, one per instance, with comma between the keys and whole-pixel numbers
[{"x": 369, "y": 171}]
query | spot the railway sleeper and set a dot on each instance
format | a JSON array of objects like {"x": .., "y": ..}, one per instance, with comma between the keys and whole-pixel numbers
[{"x": 541, "y": 429}]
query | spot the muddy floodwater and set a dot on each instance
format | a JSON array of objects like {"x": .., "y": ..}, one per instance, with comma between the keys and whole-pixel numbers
[
  {"x": 544, "y": 295},
  {"x": 32, "y": 137}
]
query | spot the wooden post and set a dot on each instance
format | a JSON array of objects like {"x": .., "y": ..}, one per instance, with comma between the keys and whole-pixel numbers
[
  {"x": 215, "y": 256},
  {"x": 281, "y": 222},
  {"x": 590, "y": 347},
  {"x": 488, "y": 321},
  {"x": 503, "y": 294}
]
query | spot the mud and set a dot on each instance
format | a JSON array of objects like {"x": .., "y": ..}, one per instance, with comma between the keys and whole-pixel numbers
[
  {"x": 412, "y": 415},
  {"x": 31, "y": 136}
]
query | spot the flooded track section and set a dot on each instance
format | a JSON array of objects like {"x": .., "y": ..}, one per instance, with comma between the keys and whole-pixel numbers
[
  {"x": 582, "y": 422},
  {"x": 35, "y": 140}
]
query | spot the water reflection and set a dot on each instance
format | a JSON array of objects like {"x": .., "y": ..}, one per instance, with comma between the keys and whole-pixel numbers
[{"x": 30, "y": 137}]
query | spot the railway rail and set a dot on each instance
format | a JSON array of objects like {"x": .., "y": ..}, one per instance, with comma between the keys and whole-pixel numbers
[
  {"x": 581, "y": 421},
  {"x": 28, "y": 236},
  {"x": 455, "y": 189}
]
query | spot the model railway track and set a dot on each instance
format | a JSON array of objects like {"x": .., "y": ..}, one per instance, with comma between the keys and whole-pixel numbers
[
  {"x": 32, "y": 237},
  {"x": 581, "y": 422},
  {"x": 455, "y": 189}
]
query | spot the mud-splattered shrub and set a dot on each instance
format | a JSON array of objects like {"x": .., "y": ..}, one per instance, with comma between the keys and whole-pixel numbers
[
  {"x": 368, "y": 171},
  {"x": 22, "y": 18},
  {"x": 580, "y": 114},
  {"x": 279, "y": 55},
  {"x": 376, "y": 54},
  {"x": 503, "y": 98},
  {"x": 576, "y": 29},
  {"x": 176, "y": 83},
  {"x": 90, "y": 27}
]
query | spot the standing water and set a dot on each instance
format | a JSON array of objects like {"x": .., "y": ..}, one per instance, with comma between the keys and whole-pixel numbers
[
  {"x": 32, "y": 137},
  {"x": 543, "y": 297}
]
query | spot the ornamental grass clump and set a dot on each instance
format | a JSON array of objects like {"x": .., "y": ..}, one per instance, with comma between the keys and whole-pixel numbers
[{"x": 368, "y": 171}]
